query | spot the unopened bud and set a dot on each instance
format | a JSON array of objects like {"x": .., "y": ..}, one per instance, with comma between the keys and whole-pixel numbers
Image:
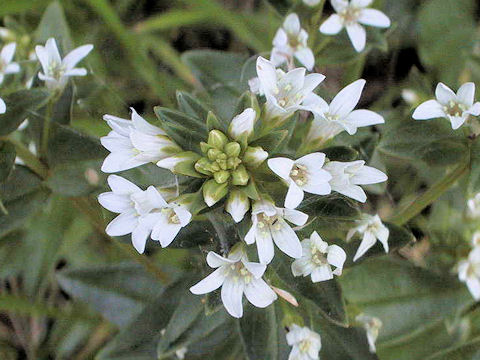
[
  {"x": 233, "y": 149},
  {"x": 221, "y": 176},
  {"x": 254, "y": 156},
  {"x": 240, "y": 176},
  {"x": 203, "y": 166},
  {"x": 213, "y": 192},
  {"x": 217, "y": 139}
]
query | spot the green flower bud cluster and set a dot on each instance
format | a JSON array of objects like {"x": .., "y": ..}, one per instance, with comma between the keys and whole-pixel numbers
[{"x": 222, "y": 160}]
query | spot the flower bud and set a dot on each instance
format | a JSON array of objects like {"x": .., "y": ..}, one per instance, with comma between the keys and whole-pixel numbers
[
  {"x": 213, "y": 153},
  {"x": 182, "y": 163},
  {"x": 213, "y": 192},
  {"x": 203, "y": 166},
  {"x": 232, "y": 149},
  {"x": 240, "y": 176},
  {"x": 221, "y": 176},
  {"x": 254, "y": 156},
  {"x": 242, "y": 124},
  {"x": 237, "y": 205},
  {"x": 217, "y": 139},
  {"x": 205, "y": 147}
]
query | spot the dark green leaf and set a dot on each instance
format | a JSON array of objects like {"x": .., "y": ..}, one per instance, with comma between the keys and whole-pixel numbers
[
  {"x": 468, "y": 351},
  {"x": 7, "y": 159},
  {"x": 340, "y": 153},
  {"x": 273, "y": 142},
  {"x": 192, "y": 106},
  {"x": 54, "y": 25}
]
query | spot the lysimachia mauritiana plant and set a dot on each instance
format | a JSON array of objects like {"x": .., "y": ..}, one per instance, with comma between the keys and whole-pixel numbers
[{"x": 310, "y": 200}]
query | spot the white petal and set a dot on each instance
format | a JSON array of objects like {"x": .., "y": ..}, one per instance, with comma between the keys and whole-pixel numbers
[
  {"x": 250, "y": 236},
  {"x": 52, "y": 51},
  {"x": 139, "y": 237},
  {"x": 281, "y": 167},
  {"x": 76, "y": 55},
  {"x": 367, "y": 242},
  {"x": 322, "y": 273},
  {"x": 8, "y": 52},
  {"x": 292, "y": 24},
  {"x": 357, "y": 35},
  {"x": 114, "y": 142},
  {"x": 311, "y": 2},
  {"x": 144, "y": 126},
  {"x": 311, "y": 81},
  {"x": 183, "y": 215},
  {"x": 444, "y": 94},
  {"x": 242, "y": 124},
  {"x": 167, "y": 233},
  {"x": 339, "y": 5},
  {"x": 76, "y": 72},
  {"x": 120, "y": 161},
  {"x": 315, "y": 104},
  {"x": 295, "y": 217},
  {"x": 382, "y": 235},
  {"x": 474, "y": 109},
  {"x": 123, "y": 224},
  {"x": 12, "y": 68},
  {"x": 294, "y": 196},
  {"x": 211, "y": 283},
  {"x": 368, "y": 175},
  {"x": 256, "y": 269},
  {"x": 232, "y": 292},
  {"x": 374, "y": 17},
  {"x": 306, "y": 58},
  {"x": 361, "y": 3},
  {"x": 312, "y": 161},
  {"x": 3, "y": 107},
  {"x": 359, "y": 118},
  {"x": 119, "y": 125},
  {"x": 42, "y": 57},
  {"x": 122, "y": 186},
  {"x": 352, "y": 191},
  {"x": 336, "y": 256},
  {"x": 115, "y": 202},
  {"x": 473, "y": 285},
  {"x": 286, "y": 239},
  {"x": 267, "y": 74},
  {"x": 428, "y": 110},
  {"x": 264, "y": 246},
  {"x": 346, "y": 100},
  {"x": 214, "y": 260},
  {"x": 259, "y": 293},
  {"x": 457, "y": 121},
  {"x": 466, "y": 94},
  {"x": 319, "y": 184},
  {"x": 332, "y": 26},
  {"x": 280, "y": 40}
]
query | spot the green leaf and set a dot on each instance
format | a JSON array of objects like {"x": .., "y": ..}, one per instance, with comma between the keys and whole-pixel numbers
[
  {"x": 118, "y": 292},
  {"x": 7, "y": 159},
  {"x": 272, "y": 142},
  {"x": 194, "y": 234},
  {"x": 20, "y": 105},
  {"x": 192, "y": 106},
  {"x": 330, "y": 207},
  {"x": 174, "y": 117},
  {"x": 402, "y": 296},
  {"x": 54, "y": 25},
  {"x": 340, "y": 153},
  {"x": 468, "y": 351},
  {"x": 62, "y": 111},
  {"x": 67, "y": 145},
  {"x": 258, "y": 331}
]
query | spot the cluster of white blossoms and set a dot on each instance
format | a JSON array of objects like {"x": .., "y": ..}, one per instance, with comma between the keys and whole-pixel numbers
[
  {"x": 305, "y": 343},
  {"x": 56, "y": 71}
]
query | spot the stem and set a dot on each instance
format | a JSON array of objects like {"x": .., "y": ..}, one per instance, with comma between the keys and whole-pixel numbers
[
  {"x": 432, "y": 194},
  {"x": 83, "y": 205},
  {"x": 46, "y": 129},
  {"x": 30, "y": 160}
]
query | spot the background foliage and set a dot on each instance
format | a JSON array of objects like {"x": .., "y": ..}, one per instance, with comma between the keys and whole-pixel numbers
[{"x": 68, "y": 291}]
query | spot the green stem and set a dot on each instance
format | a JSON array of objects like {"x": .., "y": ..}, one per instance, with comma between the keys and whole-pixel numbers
[
  {"x": 432, "y": 194},
  {"x": 30, "y": 160},
  {"x": 46, "y": 128}
]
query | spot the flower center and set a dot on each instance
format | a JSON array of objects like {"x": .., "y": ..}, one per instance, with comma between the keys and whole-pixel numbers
[
  {"x": 350, "y": 15},
  {"x": 55, "y": 70},
  {"x": 266, "y": 222},
  {"x": 454, "y": 108},
  {"x": 240, "y": 272},
  {"x": 304, "y": 346},
  {"x": 318, "y": 257},
  {"x": 299, "y": 174},
  {"x": 331, "y": 117},
  {"x": 172, "y": 216},
  {"x": 294, "y": 40}
]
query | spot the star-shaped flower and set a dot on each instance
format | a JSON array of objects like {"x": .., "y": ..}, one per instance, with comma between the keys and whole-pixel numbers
[
  {"x": 318, "y": 258},
  {"x": 372, "y": 228},
  {"x": 237, "y": 276},
  {"x": 291, "y": 41},
  {"x": 347, "y": 176},
  {"x": 302, "y": 175},
  {"x": 269, "y": 225},
  {"x": 56, "y": 70},
  {"x": 350, "y": 15},
  {"x": 306, "y": 344},
  {"x": 456, "y": 108}
]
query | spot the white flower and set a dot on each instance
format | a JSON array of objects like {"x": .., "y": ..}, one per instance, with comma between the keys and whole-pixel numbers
[
  {"x": 304, "y": 174},
  {"x": 372, "y": 229},
  {"x": 242, "y": 124},
  {"x": 141, "y": 212},
  {"x": 476, "y": 239},
  {"x": 350, "y": 14},
  {"x": 318, "y": 258},
  {"x": 180, "y": 353},
  {"x": 469, "y": 272},
  {"x": 269, "y": 225},
  {"x": 237, "y": 205},
  {"x": 57, "y": 71},
  {"x": 237, "y": 276},
  {"x": 291, "y": 41},
  {"x": 330, "y": 120},
  {"x": 285, "y": 92},
  {"x": 3, "y": 106},
  {"x": 6, "y": 64},
  {"x": 254, "y": 85},
  {"x": 305, "y": 342},
  {"x": 454, "y": 107},
  {"x": 410, "y": 96},
  {"x": 372, "y": 326},
  {"x": 473, "y": 206},
  {"x": 134, "y": 143},
  {"x": 347, "y": 176},
  {"x": 311, "y": 2}
]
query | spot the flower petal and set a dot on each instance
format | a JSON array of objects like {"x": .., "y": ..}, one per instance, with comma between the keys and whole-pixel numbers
[
  {"x": 368, "y": 175},
  {"x": 214, "y": 260},
  {"x": 232, "y": 292},
  {"x": 123, "y": 224},
  {"x": 120, "y": 161},
  {"x": 3, "y": 107},
  {"x": 339, "y": 5},
  {"x": 256, "y": 269},
  {"x": 367, "y": 242},
  {"x": 144, "y": 126},
  {"x": 292, "y": 24},
  {"x": 429, "y": 110},
  {"x": 360, "y": 118},
  {"x": 115, "y": 202},
  {"x": 346, "y": 100},
  {"x": 76, "y": 55},
  {"x": 466, "y": 94},
  {"x": 242, "y": 124},
  {"x": 332, "y": 26},
  {"x": 139, "y": 237},
  {"x": 444, "y": 94},
  {"x": 352, "y": 191},
  {"x": 280, "y": 40},
  {"x": 336, "y": 256},
  {"x": 357, "y": 35},
  {"x": 259, "y": 293},
  {"x": 306, "y": 58},
  {"x": 7, "y": 53},
  {"x": 267, "y": 75},
  {"x": 265, "y": 248},
  {"x": 374, "y": 17},
  {"x": 322, "y": 273},
  {"x": 281, "y": 166},
  {"x": 295, "y": 217},
  {"x": 361, "y": 3},
  {"x": 211, "y": 283},
  {"x": 286, "y": 239},
  {"x": 122, "y": 186},
  {"x": 474, "y": 109},
  {"x": 294, "y": 196}
]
